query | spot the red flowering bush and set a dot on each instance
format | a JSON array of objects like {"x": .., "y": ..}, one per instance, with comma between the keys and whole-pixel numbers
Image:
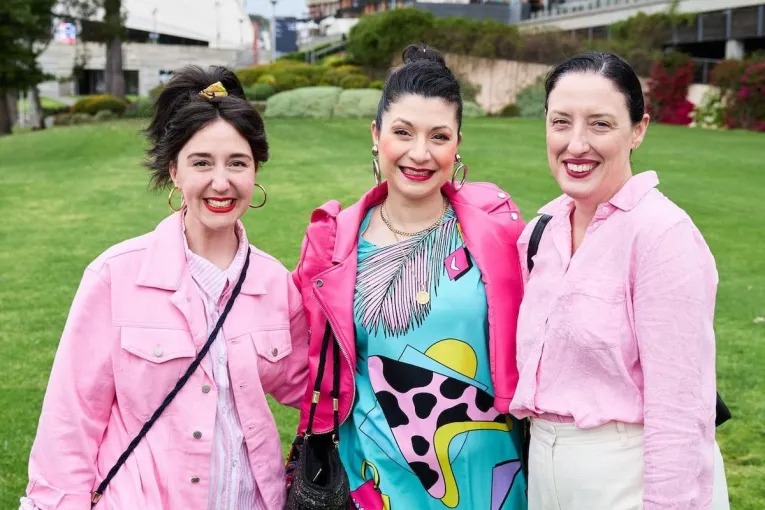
[
  {"x": 751, "y": 97},
  {"x": 668, "y": 84},
  {"x": 742, "y": 88}
]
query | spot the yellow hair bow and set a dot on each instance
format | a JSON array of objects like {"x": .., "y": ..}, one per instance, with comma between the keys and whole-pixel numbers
[{"x": 215, "y": 90}]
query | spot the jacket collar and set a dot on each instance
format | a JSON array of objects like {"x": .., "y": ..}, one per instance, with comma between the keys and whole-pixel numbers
[
  {"x": 349, "y": 220},
  {"x": 165, "y": 267}
]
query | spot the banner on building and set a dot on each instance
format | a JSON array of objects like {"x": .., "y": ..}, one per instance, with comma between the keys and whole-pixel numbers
[{"x": 286, "y": 35}]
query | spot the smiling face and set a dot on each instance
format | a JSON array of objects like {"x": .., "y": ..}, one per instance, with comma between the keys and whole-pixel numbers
[
  {"x": 590, "y": 136},
  {"x": 417, "y": 143},
  {"x": 215, "y": 172}
]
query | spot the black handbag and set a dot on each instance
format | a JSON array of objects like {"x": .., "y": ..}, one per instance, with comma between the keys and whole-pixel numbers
[
  {"x": 723, "y": 414},
  {"x": 316, "y": 479},
  {"x": 98, "y": 493}
]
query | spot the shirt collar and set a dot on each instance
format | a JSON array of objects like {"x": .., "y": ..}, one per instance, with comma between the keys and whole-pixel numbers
[
  {"x": 625, "y": 199},
  {"x": 212, "y": 280}
]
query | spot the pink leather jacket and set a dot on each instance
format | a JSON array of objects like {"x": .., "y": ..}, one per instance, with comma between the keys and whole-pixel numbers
[{"x": 326, "y": 277}]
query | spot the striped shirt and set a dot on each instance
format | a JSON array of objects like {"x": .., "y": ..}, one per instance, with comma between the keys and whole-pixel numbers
[{"x": 232, "y": 485}]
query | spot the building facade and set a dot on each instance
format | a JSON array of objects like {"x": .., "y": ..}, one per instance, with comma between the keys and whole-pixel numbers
[{"x": 161, "y": 36}]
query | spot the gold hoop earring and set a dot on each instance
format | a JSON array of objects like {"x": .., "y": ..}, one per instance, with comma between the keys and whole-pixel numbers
[
  {"x": 265, "y": 197},
  {"x": 376, "y": 165},
  {"x": 459, "y": 167},
  {"x": 170, "y": 199}
]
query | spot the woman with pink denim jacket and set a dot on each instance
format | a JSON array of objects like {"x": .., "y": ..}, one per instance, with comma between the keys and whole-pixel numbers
[
  {"x": 419, "y": 281},
  {"x": 144, "y": 309}
]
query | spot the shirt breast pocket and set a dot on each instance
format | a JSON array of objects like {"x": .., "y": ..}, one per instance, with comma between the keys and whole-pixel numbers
[
  {"x": 151, "y": 363},
  {"x": 596, "y": 315},
  {"x": 272, "y": 346}
]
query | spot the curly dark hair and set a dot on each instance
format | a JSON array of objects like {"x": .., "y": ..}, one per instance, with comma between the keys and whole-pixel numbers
[{"x": 180, "y": 111}]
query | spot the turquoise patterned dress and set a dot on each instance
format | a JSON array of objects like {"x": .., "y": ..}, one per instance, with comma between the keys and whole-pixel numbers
[{"x": 423, "y": 433}]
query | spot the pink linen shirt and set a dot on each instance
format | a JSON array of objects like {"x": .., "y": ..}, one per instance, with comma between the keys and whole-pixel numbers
[
  {"x": 136, "y": 323},
  {"x": 232, "y": 486},
  {"x": 623, "y": 331}
]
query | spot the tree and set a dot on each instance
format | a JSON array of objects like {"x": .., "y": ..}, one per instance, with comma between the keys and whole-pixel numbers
[
  {"x": 109, "y": 31},
  {"x": 25, "y": 29},
  {"x": 377, "y": 38}
]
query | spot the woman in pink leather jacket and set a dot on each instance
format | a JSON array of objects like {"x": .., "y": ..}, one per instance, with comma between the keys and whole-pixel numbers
[{"x": 419, "y": 282}]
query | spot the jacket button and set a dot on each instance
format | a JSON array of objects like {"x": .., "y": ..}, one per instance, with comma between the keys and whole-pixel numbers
[
  {"x": 514, "y": 216},
  {"x": 195, "y": 479},
  {"x": 158, "y": 351},
  {"x": 205, "y": 388},
  {"x": 197, "y": 434},
  {"x": 502, "y": 195},
  {"x": 320, "y": 283},
  {"x": 275, "y": 352}
]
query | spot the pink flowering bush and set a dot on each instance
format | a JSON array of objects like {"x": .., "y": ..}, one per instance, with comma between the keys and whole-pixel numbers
[{"x": 668, "y": 85}]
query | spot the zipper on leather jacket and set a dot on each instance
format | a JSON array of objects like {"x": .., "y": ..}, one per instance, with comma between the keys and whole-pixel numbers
[{"x": 342, "y": 351}]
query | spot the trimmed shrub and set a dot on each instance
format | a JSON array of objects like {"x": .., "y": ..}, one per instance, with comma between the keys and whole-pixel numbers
[
  {"x": 334, "y": 75},
  {"x": 82, "y": 118},
  {"x": 62, "y": 119},
  {"x": 288, "y": 80},
  {"x": 355, "y": 81},
  {"x": 531, "y": 100},
  {"x": 104, "y": 115},
  {"x": 510, "y": 110},
  {"x": 266, "y": 79},
  {"x": 94, "y": 104},
  {"x": 471, "y": 110},
  {"x": 357, "y": 104},
  {"x": 142, "y": 108},
  {"x": 259, "y": 92},
  {"x": 376, "y": 84},
  {"x": 249, "y": 75},
  {"x": 336, "y": 61},
  {"x": 313, "y": 102}
]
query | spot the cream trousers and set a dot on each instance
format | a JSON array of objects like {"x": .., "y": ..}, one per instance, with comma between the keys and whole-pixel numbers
[{"x": 595, "y": 469}]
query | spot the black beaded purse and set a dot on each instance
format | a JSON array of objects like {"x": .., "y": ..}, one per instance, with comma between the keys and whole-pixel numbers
[{"x": 316, "y": 479}]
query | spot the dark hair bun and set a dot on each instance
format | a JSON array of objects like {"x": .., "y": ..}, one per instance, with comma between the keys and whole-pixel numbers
[{"x": 415, "y": 53}]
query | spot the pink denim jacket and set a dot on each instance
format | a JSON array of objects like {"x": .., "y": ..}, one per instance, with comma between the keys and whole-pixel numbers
[
  {"x": 326, "y": 276},
  {"x": 135, "y": 325}
]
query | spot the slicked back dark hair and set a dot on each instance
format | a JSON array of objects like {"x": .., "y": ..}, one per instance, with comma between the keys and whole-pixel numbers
[
  {"x": 423, "y": 73},
  {"x": 180, "y": 111},
  {"x": 610, "y": 66}
]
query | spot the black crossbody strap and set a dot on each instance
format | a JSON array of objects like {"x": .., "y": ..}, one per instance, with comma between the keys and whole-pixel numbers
[
  {"x": 96, "y": 496},
  {"x": 536, "y": 236}
]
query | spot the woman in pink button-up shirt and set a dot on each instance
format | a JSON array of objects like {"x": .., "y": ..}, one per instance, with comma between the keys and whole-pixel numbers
[
  {"x": 616, "y": 347},
  {"x": 143, "y": 310}
]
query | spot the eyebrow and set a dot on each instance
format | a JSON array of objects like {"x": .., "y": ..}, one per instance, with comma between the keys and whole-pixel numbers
[
  {"x": 592, "y": 116},
  {"x": 436, "y": 128},
  {"x": 210, "y": 156}
]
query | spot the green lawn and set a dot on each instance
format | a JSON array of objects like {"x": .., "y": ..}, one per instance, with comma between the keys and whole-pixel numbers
[{"x": 69, "y": 193}]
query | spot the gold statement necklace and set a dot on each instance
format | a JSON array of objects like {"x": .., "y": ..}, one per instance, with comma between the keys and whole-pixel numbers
[{"x": 422, "y": 296}]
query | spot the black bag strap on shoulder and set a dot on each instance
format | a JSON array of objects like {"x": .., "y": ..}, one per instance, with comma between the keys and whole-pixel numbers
[
  {"x": 536, "y": 236},
  {"x": 96, "y": 496},
  {"x": 329, "y": 338}
]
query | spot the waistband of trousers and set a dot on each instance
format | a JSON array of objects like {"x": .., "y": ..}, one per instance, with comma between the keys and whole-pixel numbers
[{"x": 569, "y": 433}]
